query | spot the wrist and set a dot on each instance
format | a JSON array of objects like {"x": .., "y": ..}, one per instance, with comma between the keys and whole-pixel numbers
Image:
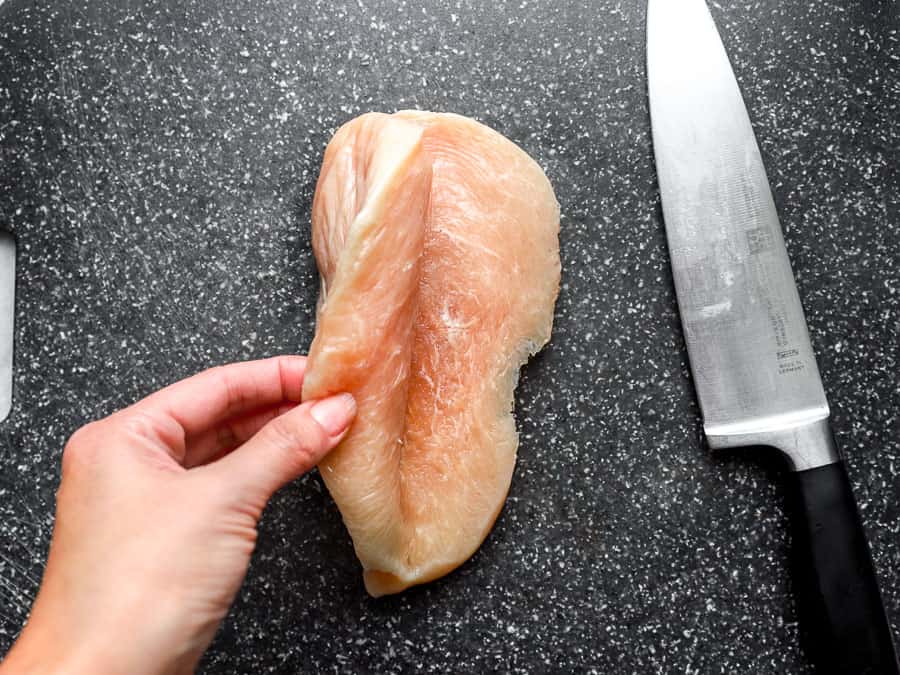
[
  {"x": 39, "y": 652},
  {"x": 42, "y": 650},
  {"x": 36, "y": 654}
]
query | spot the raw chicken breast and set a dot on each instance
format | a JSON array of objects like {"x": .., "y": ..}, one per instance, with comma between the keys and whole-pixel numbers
[{"x": 437, "y": 243}]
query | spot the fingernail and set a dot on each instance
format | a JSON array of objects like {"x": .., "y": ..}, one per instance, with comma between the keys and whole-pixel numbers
[{"x": 334, "y": 413}]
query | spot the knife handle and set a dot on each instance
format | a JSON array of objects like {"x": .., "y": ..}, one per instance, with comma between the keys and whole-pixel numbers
[{"x": 842, "y": 618}]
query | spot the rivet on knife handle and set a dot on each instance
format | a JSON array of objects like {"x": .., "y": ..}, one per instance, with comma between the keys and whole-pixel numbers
[{"x": 751, "y": 358}]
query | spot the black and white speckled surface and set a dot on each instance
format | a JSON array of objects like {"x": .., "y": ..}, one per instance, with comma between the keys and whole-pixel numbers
[{"x": 157, "y": 163}]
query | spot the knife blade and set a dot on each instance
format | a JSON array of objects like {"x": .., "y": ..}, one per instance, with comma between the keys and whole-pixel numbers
[
  {"x": 752, "y": 362},
  {"x": 7, "y": 304}
]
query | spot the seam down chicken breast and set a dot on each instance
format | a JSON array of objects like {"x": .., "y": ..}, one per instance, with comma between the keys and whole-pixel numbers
[{"x": 437, "y": 241}]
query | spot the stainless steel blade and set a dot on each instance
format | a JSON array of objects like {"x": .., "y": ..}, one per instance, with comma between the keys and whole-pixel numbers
[
  {"x": 751, "y": 358},
  {"x": 7, "y": 304}
]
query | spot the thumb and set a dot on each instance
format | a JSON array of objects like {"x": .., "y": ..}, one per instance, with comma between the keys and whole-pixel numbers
[{"x": 287, "y": 447}]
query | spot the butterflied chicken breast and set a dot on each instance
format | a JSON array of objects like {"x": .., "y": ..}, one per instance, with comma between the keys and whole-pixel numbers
[{"x": 437, "y": 243}]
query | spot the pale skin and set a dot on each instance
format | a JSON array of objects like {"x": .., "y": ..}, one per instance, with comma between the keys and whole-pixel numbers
[{"x": 156, "y": 518}]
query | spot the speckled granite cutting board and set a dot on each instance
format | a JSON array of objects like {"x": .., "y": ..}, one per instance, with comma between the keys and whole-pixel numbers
[{"x": 157, "y": 164}]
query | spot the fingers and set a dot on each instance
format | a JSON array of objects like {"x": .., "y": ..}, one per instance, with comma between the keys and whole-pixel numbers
[
  {"x": 213, "y": 443},
  {"x": 285, "y": 448},
  {"x": 213, "y": 397}
]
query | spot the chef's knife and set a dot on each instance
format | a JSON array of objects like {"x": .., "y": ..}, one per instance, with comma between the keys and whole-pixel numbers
[{"x": 752, "y": 362}]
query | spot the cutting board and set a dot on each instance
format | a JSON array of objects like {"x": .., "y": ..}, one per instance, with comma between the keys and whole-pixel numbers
[{"x": 157, "y": 165}]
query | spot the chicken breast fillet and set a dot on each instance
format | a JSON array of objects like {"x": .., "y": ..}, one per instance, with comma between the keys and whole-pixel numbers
[{"x": 437, "y": 243}]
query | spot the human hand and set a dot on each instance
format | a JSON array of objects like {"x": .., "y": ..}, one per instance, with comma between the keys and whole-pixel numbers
[{"x": 156, "y": 517}]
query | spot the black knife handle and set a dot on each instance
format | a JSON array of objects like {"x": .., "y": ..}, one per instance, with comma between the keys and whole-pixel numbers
[{"x": 842, "y": 618}]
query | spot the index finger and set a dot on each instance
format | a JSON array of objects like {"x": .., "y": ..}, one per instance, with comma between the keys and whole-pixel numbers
[{"x": 214, "y": 396}]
